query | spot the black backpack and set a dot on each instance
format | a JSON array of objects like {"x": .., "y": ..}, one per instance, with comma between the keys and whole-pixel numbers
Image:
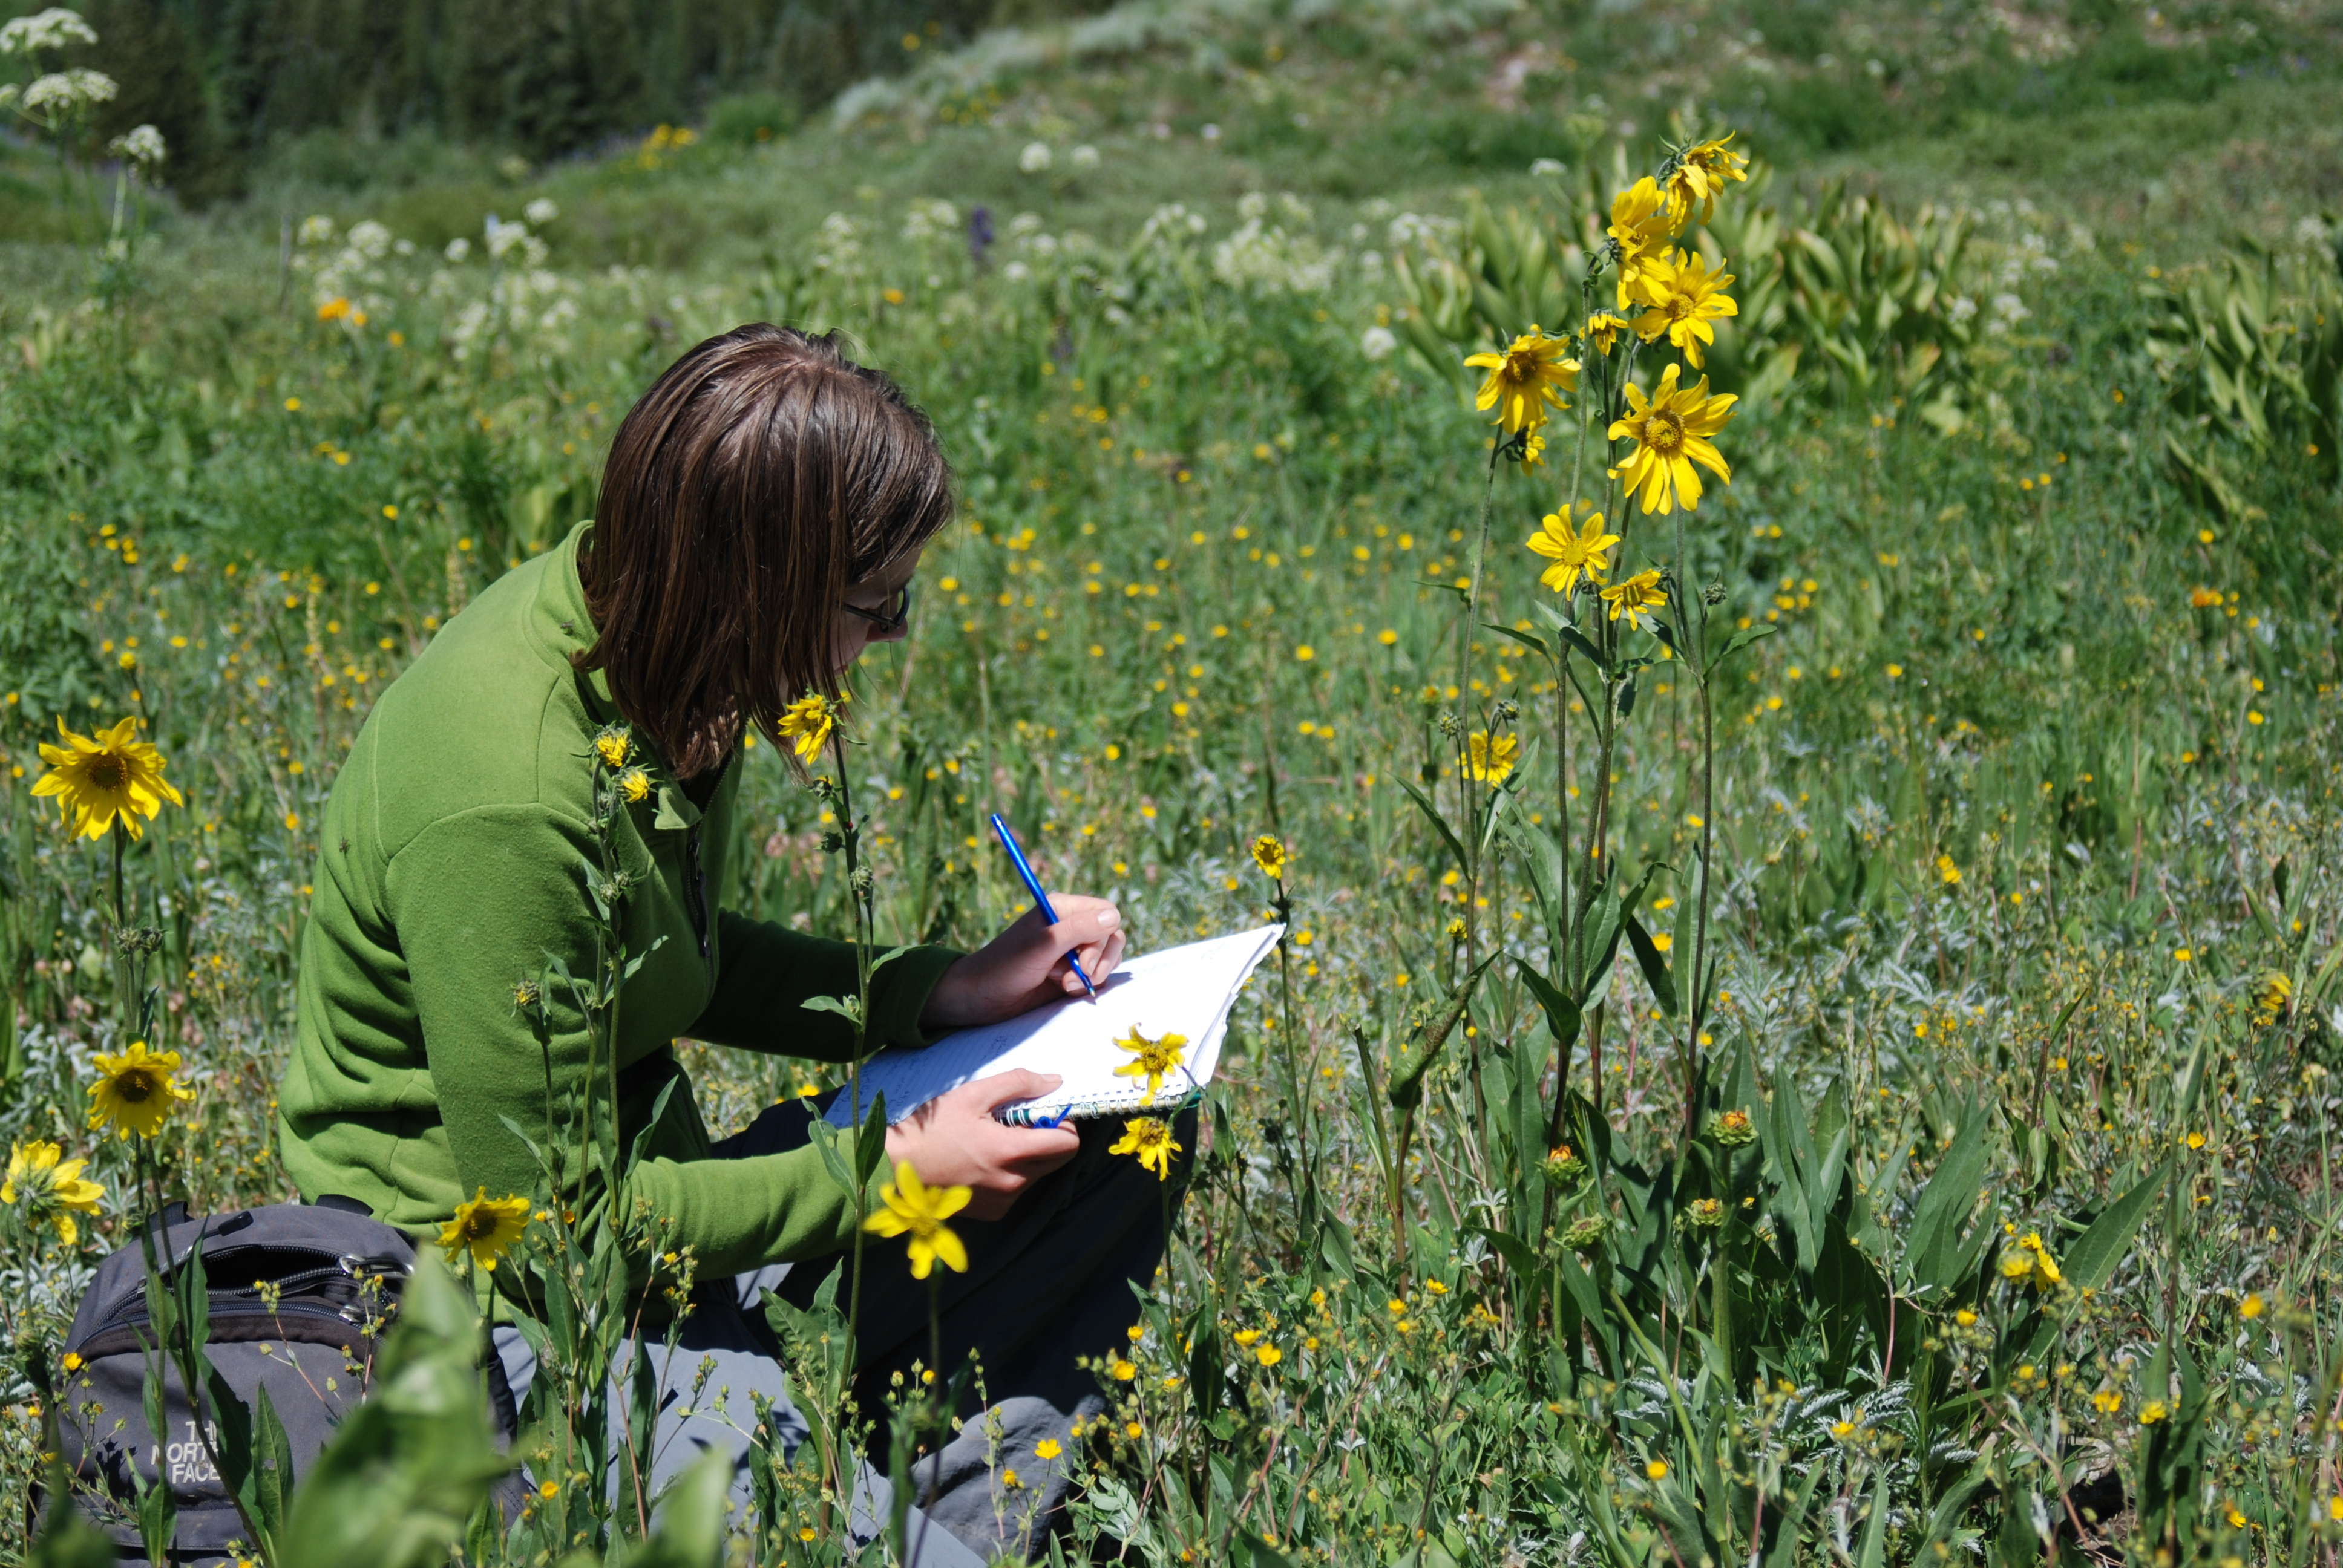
[{"x": 299, "y": 1295}]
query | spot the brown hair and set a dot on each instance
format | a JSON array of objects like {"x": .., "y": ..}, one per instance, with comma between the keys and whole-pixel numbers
[{"x": 762, "y": 475}]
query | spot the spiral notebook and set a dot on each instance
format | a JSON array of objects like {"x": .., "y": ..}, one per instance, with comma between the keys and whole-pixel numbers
[{"x": 1183, "y": 991}]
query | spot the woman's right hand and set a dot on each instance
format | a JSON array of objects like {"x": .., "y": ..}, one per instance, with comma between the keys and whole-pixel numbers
[{"x": 953, "y": 1140}]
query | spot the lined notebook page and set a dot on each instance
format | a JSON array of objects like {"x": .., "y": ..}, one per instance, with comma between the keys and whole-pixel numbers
[{"x": 1181, "y": 991}]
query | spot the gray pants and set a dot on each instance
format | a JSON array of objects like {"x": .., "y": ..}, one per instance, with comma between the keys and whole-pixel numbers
[{"x": 1053, "y": 1282}]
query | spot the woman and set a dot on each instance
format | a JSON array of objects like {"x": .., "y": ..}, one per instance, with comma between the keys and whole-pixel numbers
[{"x": 763, "y": 511}]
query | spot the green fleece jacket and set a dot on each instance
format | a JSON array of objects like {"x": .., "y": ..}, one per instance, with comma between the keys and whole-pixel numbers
[{"x": 451, "y": 865}]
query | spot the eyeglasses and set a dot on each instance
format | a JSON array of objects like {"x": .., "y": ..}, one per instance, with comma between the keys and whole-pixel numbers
[{"x": 891, "y": 619}]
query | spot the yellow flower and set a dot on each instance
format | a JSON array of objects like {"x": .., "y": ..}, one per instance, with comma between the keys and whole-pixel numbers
[
  {"x": 1123, "y": 1370},
  {"x": 919, "y": 1210},
  {"x": 134, "y": 1090},
  {"x": 2251, "y": 1307},
  {"x": 1682, "y": 296},
  {"x": 1157, "y": 1058},
  {"x": 2029, "y": 1262},
  {"x": 1273, "y": 857},
  {"x": 1268, "y": 1355},
  {"x": 105, "y": 778},
  {"x": 1945, "y": 868},
  {"x": 488, "y": 1226},
  {"x": 1670, "y": 434},
  {"x": 2106, "y": 1401},
  {"x": 1639, "y": 224},
  {"x": 613, "y": 745},
  {"x": 1523, "y": 378},
  {"x": 1603, "y": 330},
  {"x": 1634, "y": 600},
  {"x": 335, "y": 310},
  {"x": 1584, "y": 552},
  {"x": 809, "y": 720},
  {"x": 1657, "y": 1469},
  {"x": 1048, "y": 1448},
  {"x": 50, "y": 1187},
  {"x": 1150, "y": 1140},
  {"x": 635, "y": 784},
  {"x": 2271, "y": 996},
  {"x": 2153, "y": 1411},
  {"x": 549, "y": 1489},
  {"x": 1489, "y": 758},
  {"x": 1698, "y": 177}
]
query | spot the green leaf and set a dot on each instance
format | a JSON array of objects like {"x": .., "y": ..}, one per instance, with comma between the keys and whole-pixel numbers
[
  {"x": 1933, "y": 1254},
  {"x": 1739, "y": 640},
  {"x": 691, "y": 1519},
  {"x": 1526, "y": 638},
  {"x": 1406, "y": 1090},
  {"x": 1562, "y": 1015},
  {"x": 1424, "y": 803},
  {"x": 1516, "y": 1253},
  {"x": 1656, "y": 969},
  {"x": 408, "y": 1467},
  {"x": 2091, "y": 1262}
]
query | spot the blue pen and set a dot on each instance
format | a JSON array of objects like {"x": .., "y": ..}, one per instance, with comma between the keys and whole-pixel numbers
[{"x": 1033, "y": 886}]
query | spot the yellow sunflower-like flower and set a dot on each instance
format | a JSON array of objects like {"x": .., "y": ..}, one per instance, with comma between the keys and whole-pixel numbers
[
  {"x": 487, "y": 1226},
  {"x": 614, "y": 743},
  {"x": 635, "y": 784},
  {"x": 1149, "y": 1139},
  {"x": 2029, "y": 1262},
  {"x": 1633, "y": 599},
  {"x": 918, "y": 1211},
  {"x": 50, "y": 1187},
  {"x": 1684, "y": 297},
  {"x": 2272, "y": 994},
  {"x": 808, "y": 722},
  {"x": 1523, "y": 378},
  {"x": 1580, "y": 553},
  {"x": 1699, "y": 176},
  {"x": 1273, "y": 857},
  {"x": 1671, "y": 433},
  {"x": 136, "y": 1091},
  {"x": 1490, "y": 759},
  {"x": 1155, "y": 1060},
  {"x": 106, "y": 778},
  {"x": 1603, "y": 330},
  {"x": 1639, "y": 223}
]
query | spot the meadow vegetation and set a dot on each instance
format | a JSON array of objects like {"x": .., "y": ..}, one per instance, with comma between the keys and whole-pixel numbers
[{"x": 1828, "y": 1061}]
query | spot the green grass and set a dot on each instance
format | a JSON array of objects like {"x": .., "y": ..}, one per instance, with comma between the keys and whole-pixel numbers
[{"x": 1989, "y": 781}]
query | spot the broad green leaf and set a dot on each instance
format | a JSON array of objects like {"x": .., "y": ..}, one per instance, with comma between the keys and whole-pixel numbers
[
  {"x": 1739, "y": 640},
  {"x": 1432, "y": 813},
  {"x": 1656, "y": 969},
  {"x": 2091, "y": 1262}
]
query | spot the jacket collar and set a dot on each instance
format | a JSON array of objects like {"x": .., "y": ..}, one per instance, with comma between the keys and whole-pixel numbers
[{"x": 563, "y": 627}]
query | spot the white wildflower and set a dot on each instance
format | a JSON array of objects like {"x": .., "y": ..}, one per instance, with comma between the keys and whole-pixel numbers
[
  {"x": 53, "y": 28},
  {"x": 541, "y": 211},
  {"x": 69, "y": 92},
  {"x": 316, "y": 229},
  {"x": 1085, "y": 156},
  {"x": 141, "y": 145},
  {"x": 1547, "y": 166},
  {"x": 1017, "y": 272},
  {"x": 369, "y": 239},
  {"x": 459, "y": 248},
  {"x": 1378, "y": 343},
  {"x": 1035, "y": 159}
]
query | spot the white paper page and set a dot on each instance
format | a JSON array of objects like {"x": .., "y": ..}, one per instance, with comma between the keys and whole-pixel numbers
[{"x": 1181, "y": 991}]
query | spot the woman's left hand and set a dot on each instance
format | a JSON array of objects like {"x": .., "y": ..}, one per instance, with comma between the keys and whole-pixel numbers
[{"x": 1026, "y": 965}]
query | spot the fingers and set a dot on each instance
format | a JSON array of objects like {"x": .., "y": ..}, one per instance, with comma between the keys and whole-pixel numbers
[
  {"x": 1083, "y": 923},
  {"x": 989, "y": 1094}
]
